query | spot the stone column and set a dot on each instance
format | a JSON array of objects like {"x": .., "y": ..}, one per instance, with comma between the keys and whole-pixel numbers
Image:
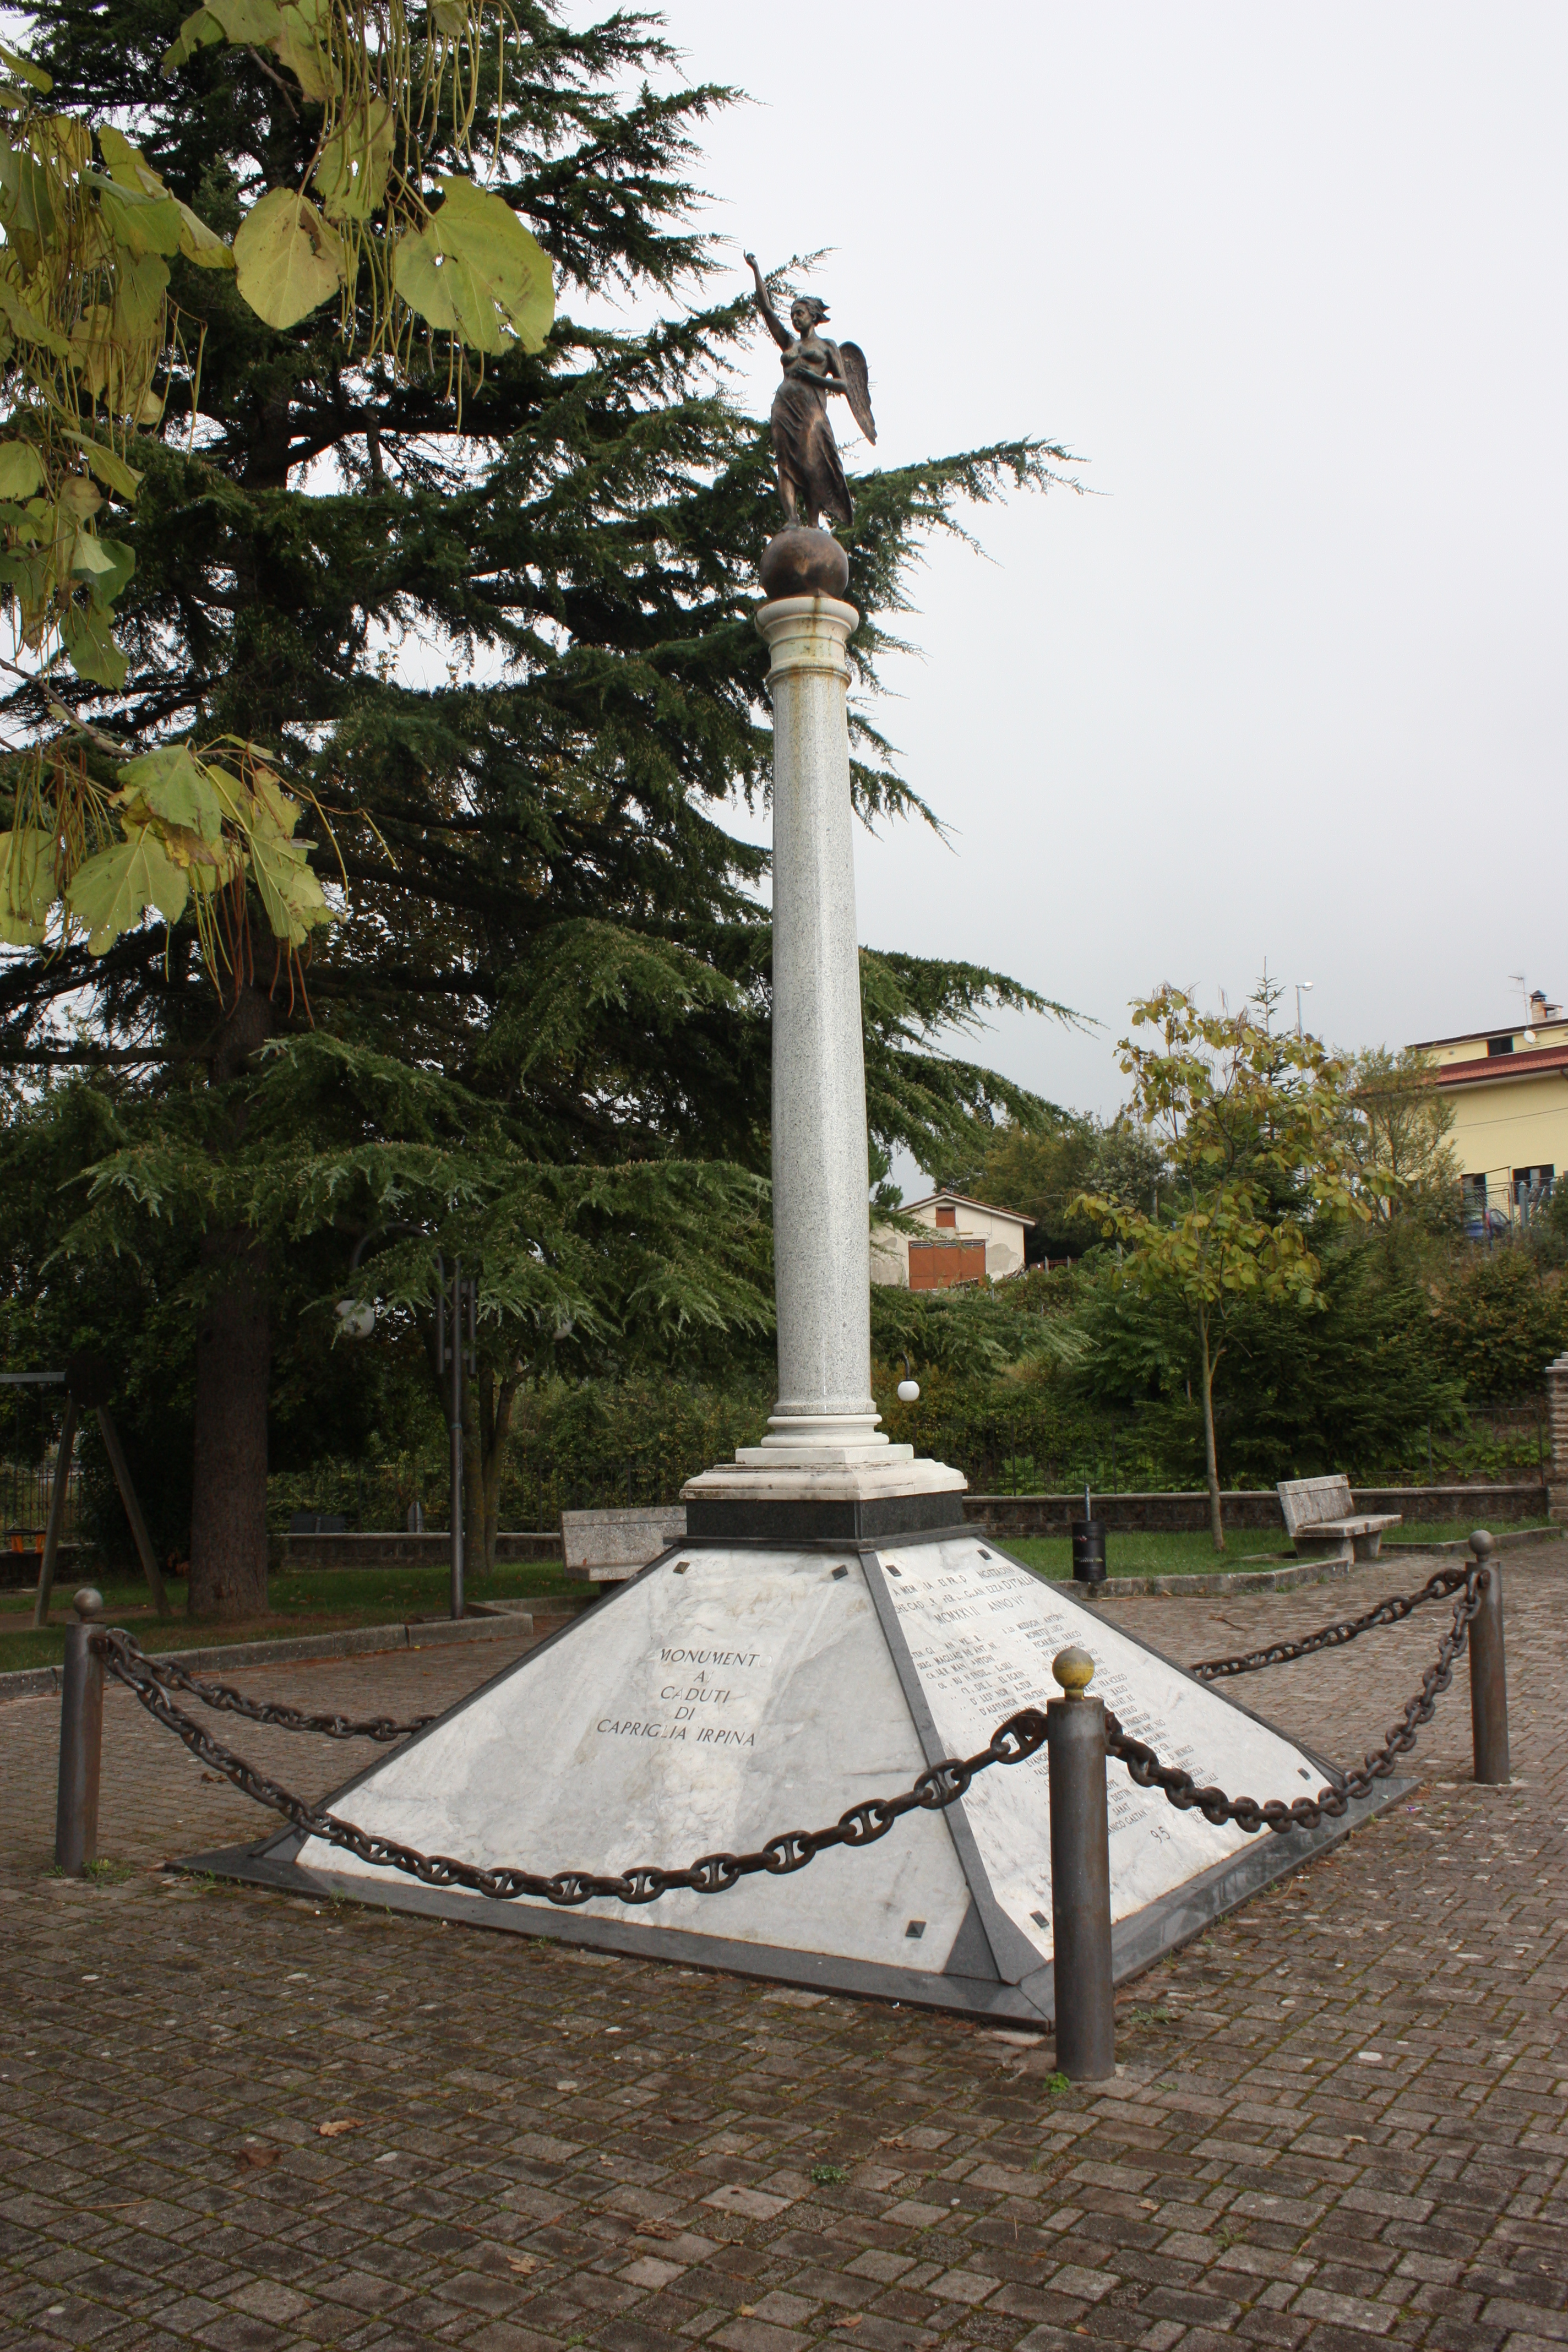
[
  {"x": 821, "y": 1177},
  {"x": 1557, "y": 1412},
  {"x": 822, "y": 1438}
]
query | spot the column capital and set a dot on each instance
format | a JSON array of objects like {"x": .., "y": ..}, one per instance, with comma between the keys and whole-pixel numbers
[{"x": 807, "y": 632}]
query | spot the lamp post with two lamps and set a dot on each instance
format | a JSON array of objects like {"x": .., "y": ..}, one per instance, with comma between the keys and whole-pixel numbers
[{"x": 456, "y": 1356}]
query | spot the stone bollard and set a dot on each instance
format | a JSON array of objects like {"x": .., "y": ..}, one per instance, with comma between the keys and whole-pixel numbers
[
  {"x": 1080, "y": 1875},
  {"x": 81, "y": 1742},
  {"x": 1488, "y": 1675}
]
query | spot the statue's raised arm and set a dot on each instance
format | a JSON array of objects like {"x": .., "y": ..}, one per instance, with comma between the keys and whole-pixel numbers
[
  {"x": 775, "y": 325},
  {"x": 811, "y": 474}
]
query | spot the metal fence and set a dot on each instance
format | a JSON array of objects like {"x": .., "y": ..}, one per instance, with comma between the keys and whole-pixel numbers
[{"x": 25, "y": 1491}]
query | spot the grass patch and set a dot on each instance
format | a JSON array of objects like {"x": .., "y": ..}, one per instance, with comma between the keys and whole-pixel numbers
[
  {"x": 314, "y": 1601},
  {"x": 1151, "y": 1552}
]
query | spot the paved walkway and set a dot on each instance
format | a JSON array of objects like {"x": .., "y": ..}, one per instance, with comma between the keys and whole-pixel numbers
[{"x": 240, "y": 2120}]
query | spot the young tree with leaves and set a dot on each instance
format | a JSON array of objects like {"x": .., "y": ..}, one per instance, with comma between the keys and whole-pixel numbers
[
  {"x": 1252, "y": 1128},
  {"x": 477, "y": 643}
]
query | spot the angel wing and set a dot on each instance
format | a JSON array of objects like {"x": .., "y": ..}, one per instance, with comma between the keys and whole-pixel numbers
[{"x": 858, "y": 378}]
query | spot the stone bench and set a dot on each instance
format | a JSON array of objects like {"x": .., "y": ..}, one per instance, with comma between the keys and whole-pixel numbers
[
  {"x": 607, "y": 1547},
  {"x": 1322, "y": 1522}
]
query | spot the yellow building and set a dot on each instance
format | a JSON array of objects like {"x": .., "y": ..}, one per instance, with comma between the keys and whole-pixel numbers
[{"x": 1508, "y": 1090}]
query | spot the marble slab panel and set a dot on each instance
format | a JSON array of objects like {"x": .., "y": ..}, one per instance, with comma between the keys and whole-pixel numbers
[
  {"x": 981, "y": 1632},
  {"x": 723, "y": 1697}
]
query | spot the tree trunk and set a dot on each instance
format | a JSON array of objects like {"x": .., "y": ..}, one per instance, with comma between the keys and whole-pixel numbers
[
  {"x": 488, "y": 1430},
  {"x": 1211, "y": 1458},
  {"x": 234, "y": 1357},
  {"x": 228, "y": 1506}
]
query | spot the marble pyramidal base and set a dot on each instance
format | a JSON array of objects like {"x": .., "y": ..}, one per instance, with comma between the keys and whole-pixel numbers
[{"x": 732, "y": 1692}]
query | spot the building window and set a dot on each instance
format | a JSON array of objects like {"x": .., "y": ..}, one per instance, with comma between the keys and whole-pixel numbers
[
  {"x": 1498, "y": 1045},
  {"x": 947, "y": 1217},
  {"x": 1532, "y": 1185}
]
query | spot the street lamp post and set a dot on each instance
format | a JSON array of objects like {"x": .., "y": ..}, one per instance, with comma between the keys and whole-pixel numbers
[
  {"x": 456, "y": 1337},
  {"x": 1302, "y": 987}
]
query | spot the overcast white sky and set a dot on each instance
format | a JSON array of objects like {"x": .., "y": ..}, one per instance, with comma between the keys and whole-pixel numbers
[{"x": 1291, "y": 281}]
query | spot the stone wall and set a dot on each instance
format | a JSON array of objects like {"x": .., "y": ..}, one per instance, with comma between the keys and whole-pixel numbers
[
  {"x": 1052, "y": 1515},
  {"x": 390, "y": 1549},
  {"x": 1557, "y": 1415}
]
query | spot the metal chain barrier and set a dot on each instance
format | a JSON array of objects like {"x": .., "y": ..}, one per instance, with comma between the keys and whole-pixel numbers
[
  {"x": 1306, "y": 1812},
  {"x": 1021, "y": 1736},
  {"x": 219, "y": 1696},
  {"x": 1394, "y": 1611}
]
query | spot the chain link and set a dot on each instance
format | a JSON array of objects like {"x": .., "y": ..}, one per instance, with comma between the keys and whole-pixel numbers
[
  {"x": 1394, "y": 1611},
  {"x": 1020, "y": 1737},
  {"x": 1022, "y": 1734},
  {"x": 227, "y": 1701},
  {"x": 1329, "y": 1804}
]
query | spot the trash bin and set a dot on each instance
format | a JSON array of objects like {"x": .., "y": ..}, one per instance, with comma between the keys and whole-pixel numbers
[{"x": 1088, "y": 1552}]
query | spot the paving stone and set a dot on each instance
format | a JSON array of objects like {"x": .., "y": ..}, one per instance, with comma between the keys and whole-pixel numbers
[{"x": 1342, "y": 2118}]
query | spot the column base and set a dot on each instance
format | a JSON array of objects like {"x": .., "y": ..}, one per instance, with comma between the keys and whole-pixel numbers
[{"x": 767, "y": 1497}]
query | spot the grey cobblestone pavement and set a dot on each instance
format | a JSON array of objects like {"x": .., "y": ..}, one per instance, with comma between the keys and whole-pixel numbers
[{"x": 247, "y": 2122}]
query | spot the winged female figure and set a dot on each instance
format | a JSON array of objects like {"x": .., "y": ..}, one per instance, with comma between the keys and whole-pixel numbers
[{"x": 811, "y": 474}]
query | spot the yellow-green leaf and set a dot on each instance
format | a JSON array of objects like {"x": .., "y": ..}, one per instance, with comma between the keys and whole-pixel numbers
[
  {"x": 24, "y": 321},
  {"x": 289, "y": 259},
  {"x": 26, "y": 885},
  {"x": 90, "y": 648},
  {"x": 21, "y": 469},
  {"x": 476, "y": 272},
  {"x": 289, "y": 892},
  {"x": 352, "y": 173},
  {"x": 299, "y": 47},
  {"x": 87, "y": 556},
  {"x": 25, "y": 69},
  {"x": 171, "y": 784},
  {"x": 200, "y": 243},
  {"x": 78, "y": 497},
  {"x": 198, "y": 32},
  {"x": 140, "y": 282},
  {"x": 249, "y": 23},
  {"x": 111, "y": 892},
  {"x": 111, "y": 469},
  {"x": 139, "y": 221}
]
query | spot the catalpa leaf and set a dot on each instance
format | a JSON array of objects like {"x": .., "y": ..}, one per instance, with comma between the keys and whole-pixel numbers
[
  {"x": 130, "y": 168},
  {"x": 172, "y": 784},
  {"x": 476, "y": 271},
  {"x": 352, "y": 173},
  {"x": 111, "y": 468},
  {"x": 91, "y": 649},
  {"x": 25, "y": 69},
  {"x": 198, "y": 32},
  {"x": 108, "y": 583},
  {"x": 289, "y": 892},
  {"x": 290, "y": 261},
  {"x": 21, "y": 469},
  {"x": 299, "y": 47},
  {"x": 141, "y": 222},
  {"x": 109, "y": 893},
  {"x": 26, "y": 885}
]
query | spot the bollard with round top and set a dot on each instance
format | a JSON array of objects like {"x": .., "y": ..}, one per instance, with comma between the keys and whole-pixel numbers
[
  {"x": 1489, "y": 1678},
  {"x": 1080, "y": 1874},
  {"x": 81, "y": 1741}
]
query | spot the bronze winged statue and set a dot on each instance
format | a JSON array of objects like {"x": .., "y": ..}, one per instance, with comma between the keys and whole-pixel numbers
[{"x": 811, "y": 474}]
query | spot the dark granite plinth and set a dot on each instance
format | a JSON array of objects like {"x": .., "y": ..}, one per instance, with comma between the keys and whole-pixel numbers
[{"x": 878, "y": 1516}]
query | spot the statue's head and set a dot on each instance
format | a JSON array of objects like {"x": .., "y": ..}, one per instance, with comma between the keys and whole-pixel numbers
[{"x": 807, "y": 313}]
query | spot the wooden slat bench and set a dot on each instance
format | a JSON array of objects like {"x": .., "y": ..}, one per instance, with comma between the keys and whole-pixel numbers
[{"x": 1322, "y": 1522}]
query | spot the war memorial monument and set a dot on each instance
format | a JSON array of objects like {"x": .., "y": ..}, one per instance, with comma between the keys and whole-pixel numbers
[{"x": 830, "y": 1627}]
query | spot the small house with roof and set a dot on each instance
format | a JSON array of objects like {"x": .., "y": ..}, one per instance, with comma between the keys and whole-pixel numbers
[{"x": 964, "y": 1240}]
